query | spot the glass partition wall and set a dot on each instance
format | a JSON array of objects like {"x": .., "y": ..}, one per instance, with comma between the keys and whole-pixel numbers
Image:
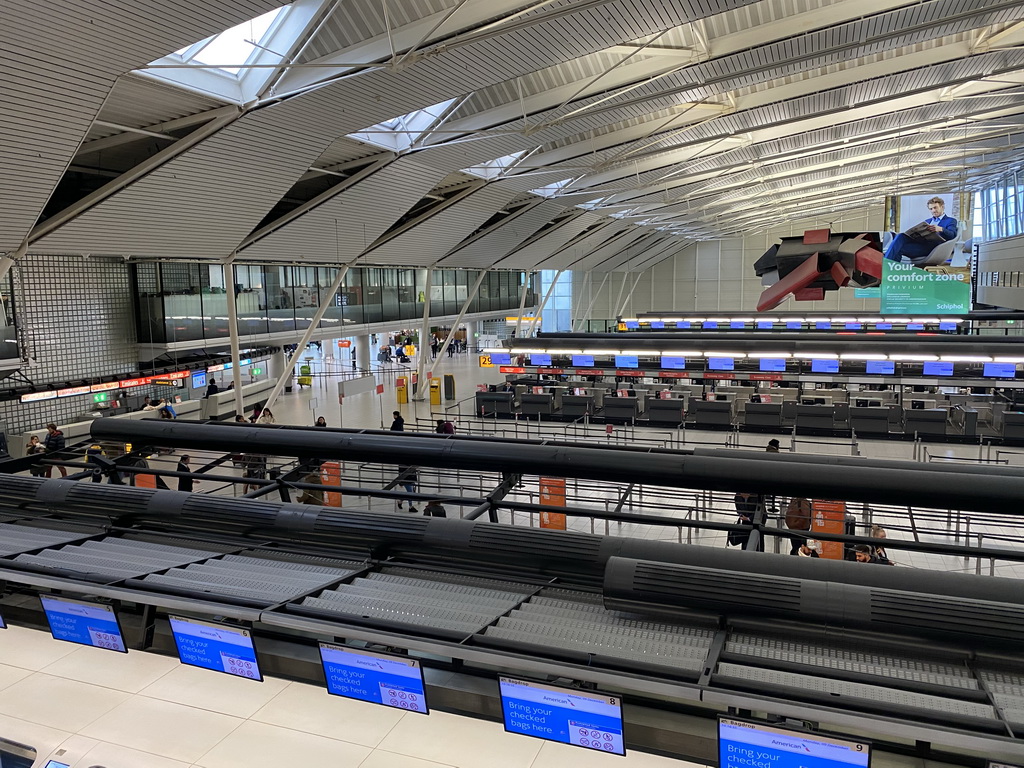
[{"x": 179, "y": 302}]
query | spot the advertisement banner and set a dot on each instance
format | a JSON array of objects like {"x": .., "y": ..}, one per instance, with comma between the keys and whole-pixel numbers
[
  {"x": 330, "y": 474},
  {"x": 829, "y": 517},
  {"x": 907, "y": 289},
  {"x": 552, "y": 494}
]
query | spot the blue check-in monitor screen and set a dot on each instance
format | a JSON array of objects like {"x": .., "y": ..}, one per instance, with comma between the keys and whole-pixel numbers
[
  {"x": 627, "y": 361},
  {"x": 915, "y": 326},
  {"x": 743, "y": 744},
  {"x": 884, "y": 367},
  {"x": 947, "y": 326},
  {"x": 776, "y": 364},
  {"x": 883, "y": 326},
  {"x": 582, "y": 718},
  {"x": 721, "y": 364},
  {"x": 823, "y": 326},
  {"x": 737, "y": 324},
  {"x": 673, "y": 363},
  {"x": 657, "y": 325},
  {"x": 3, "y": 624},
  {"x": 709, "y": 324},
  {"x": 199, "y": 380},
  {"x": 540, "y": 359},
  {"x": 938, "y": 369},
  {"x": 501, "y": 358},
  {"x": 794, "y": 326},
  {"x": 1000, "y": 370},
  {"x": 394, "y": 681},
  {"x": 215, "y": 646},
  {"x": 683, "y": 324},
  {"x": 632, "y": 324},
  {"x": 583, "y": 361},
  {"x": 854, "y": 326},
  {"x": 82, "y": 622},
  {"x": 764, "y": 325},
  {"x": 824, "y": 366}
]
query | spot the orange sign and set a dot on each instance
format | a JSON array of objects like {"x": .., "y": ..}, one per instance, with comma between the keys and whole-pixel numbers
[
  {"x": 330, "y": 474},
  {"x": 552, "y": 494},
  {"x": 829, "y": 517},
  {"x": 143, "y": 480},
  {"x": 344, "y": 343}
]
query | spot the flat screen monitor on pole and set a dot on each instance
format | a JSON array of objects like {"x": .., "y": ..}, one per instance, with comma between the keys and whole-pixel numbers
[
  {"x": 772, "y": 364},
  {"x": 582, "y": 718},
  {"x": 721, "y": 364},
  {"x": 539, "y": 359},
  {"x": 627, "y": 361},
  {"x": 742, "y": 743},
  {"x": 673, "y": 363},
  {"x": 583, "y": 361}
]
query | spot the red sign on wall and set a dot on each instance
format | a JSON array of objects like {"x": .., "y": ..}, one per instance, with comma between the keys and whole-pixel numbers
[
  {"x": 589, "y": 372},
  {"x": 623, "y": 374},
  {"x": 719, "y": 376},
  {"x": 511, "y": 369},
  {"x": 556, "y": 371},
  {"x": 673, "y": 375},
  {"x": 766, "y": 376}
]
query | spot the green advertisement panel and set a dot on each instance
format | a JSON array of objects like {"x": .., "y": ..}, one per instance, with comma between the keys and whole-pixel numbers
[{"x": 907, "y": 289}]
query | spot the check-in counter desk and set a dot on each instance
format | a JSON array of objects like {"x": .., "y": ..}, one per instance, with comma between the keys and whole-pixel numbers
[
  {"x": 763, "y": 415},
  {"x": 1013, "y": 425},
  {"x": 541, "y": 403},
  {"x": 964, "y": 421},
  {"x": 495, "y": 403},
  {"x": 932, "y": 421},
  {"x": 870, "y": 420},
  {"x": 575, "y": 406},
  {"x": 816, "y": 417},
  {"x": 670, "y": 411},
  {"x": 621, "y": 408},
  {"x": 222, "y": 405},
  {"x": 712, "y": 413}
]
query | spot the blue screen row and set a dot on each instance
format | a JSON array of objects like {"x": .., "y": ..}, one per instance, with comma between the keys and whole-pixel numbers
[
  {"x": 742, "y": 744},
  {"x": 791, "y": 325},
  {"x": 215, "y": 646}
]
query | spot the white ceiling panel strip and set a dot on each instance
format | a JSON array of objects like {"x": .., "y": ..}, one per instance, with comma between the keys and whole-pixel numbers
[
  {"x": 600, "y": 255},
  {"x": 539, "y": 248},
  {"x": 340, "y": 229},
  {"x": 640, "y": 253},
  {"x": 428, "y": 241},
  {"x": 58, "y": 62},
  {"x": 573, "y": 252},
  {"x": 484, "y": 251}
]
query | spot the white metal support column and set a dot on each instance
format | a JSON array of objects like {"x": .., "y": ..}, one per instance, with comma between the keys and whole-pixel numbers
[
  {"x": 629, "y": 295},
  {"x": 458, "y": 320},
  {"x": 236, "y": 357},
  {"x": 544, "y": 302},
  {"x": 593, "y": 299},
  {"x": 421, "y": 357},
  {"x": 363, "y": 355},
  {"x": 9, "y": 259},
  {"x": 325, "y": 301},
  {"x": 622, "y": 289}
]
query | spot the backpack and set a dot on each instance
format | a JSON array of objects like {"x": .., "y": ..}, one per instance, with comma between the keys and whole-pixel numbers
[{"x": 798, "y": 514}]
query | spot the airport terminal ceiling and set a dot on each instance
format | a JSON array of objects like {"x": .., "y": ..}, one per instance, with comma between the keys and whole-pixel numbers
[{"x": 580, "y": 134}]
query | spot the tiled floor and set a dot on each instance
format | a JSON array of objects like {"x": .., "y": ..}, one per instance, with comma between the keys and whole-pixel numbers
[{"x": 148, "y": 711}]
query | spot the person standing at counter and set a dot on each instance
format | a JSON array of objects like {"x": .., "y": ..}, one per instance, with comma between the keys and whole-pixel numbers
[{"x": 212, "y": 388}]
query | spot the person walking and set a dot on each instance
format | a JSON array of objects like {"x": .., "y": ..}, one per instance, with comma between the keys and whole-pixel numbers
[
  {"x": 398, "y": 423},
  {"x": 32, "y": 448},
  {"x": 185, "y": 483},
  {"x": 54, "y": 442},
  {"x": 408, "y": 478}
]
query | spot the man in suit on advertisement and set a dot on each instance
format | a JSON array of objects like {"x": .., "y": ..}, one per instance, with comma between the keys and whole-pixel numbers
[{"x": 919, "y": 241}]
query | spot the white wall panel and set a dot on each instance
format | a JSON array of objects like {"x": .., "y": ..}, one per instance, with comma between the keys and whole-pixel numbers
[{"x": 58, "y": 62}]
